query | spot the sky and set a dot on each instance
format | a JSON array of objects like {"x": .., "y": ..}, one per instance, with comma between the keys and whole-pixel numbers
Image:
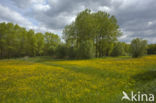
[{"x": 136, "y": 18}]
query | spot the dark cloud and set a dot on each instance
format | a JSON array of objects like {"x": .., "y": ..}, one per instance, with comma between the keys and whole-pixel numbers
[{"x": 136, "y": 18}]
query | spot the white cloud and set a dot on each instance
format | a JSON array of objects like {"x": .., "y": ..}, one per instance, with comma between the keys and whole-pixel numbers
[
  {"x": 104, "y": 8},
  {"x": 150, "y": 23},
  {"x": 41, "y": 7},
  {"x": 37, "y": 1},
  {"x": 13, "y": 16}
]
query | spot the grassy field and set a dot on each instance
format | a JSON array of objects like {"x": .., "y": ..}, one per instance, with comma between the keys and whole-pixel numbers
[{"x": 44, "y": 80}]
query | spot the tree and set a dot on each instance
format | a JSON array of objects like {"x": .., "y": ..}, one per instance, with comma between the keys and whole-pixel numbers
[
  {"x": 3, "y": 41},
  {"x": 86, "y": 50},
  {"x": 106, "y": 33},
  {"x": 138, "y": 47},
  {"x": 31, "y": 43},
  {"x": 40, "y": 43},
  {"x": 99, "y": 28},
  {"x": 126, "y": 48},
  {"x": 118, "y": 49},
  {"x": 52, "y": 41},
  {"x": 151, "y": 49},
  {"x": 16, "y": 41},
  {"x": 61, "y": 51}
]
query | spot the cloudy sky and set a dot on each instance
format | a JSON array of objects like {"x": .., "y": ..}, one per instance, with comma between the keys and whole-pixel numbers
[{"x": 137, "y": 18}]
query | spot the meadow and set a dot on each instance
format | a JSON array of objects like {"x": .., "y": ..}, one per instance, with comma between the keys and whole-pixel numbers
[{"x": 100, "y": 80}]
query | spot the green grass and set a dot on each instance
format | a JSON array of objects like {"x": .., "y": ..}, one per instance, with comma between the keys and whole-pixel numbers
[{"x": 100, "y": 80}]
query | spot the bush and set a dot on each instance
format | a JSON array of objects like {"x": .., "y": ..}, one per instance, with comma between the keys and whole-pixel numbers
[{"x": 138, "y": 47}]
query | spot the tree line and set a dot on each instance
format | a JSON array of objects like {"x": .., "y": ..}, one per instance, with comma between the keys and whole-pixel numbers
[
  {"x": 16, "y": 41},
  {"x": 94, "y": 34},
  {"x": 90, "y": 35}
]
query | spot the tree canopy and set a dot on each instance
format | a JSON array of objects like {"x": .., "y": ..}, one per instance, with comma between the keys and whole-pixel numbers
[
  {"x": 98, "y": 30},
  {"x": 16, "y": 41},
  {"x": 138, "y": 47}
]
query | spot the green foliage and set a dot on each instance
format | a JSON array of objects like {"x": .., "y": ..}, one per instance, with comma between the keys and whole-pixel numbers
[
  {"x": 118, "y": 49},
  {"x": 52, "y": 41},
  {"x": 61, "y": 51},
  {"x": 99, "y": 28},
  {"x": 151, "y": 49},
  {"x": 126, "y": 49},
  {"x": 138, "y": 47},
  {"x": 40, "y": 43},
  {"x": 15, "y": 41},
  {"x": 86, "y": 50}
]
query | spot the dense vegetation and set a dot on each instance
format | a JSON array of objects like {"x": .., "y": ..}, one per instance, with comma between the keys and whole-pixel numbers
[
  {"x": 44, "y": 80},
  {"x": 16, "y": 41},
  {"x": 151, "y": 49},
  {"x": 138, "y": 47},
  {"x": 90, "y": 35}
]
